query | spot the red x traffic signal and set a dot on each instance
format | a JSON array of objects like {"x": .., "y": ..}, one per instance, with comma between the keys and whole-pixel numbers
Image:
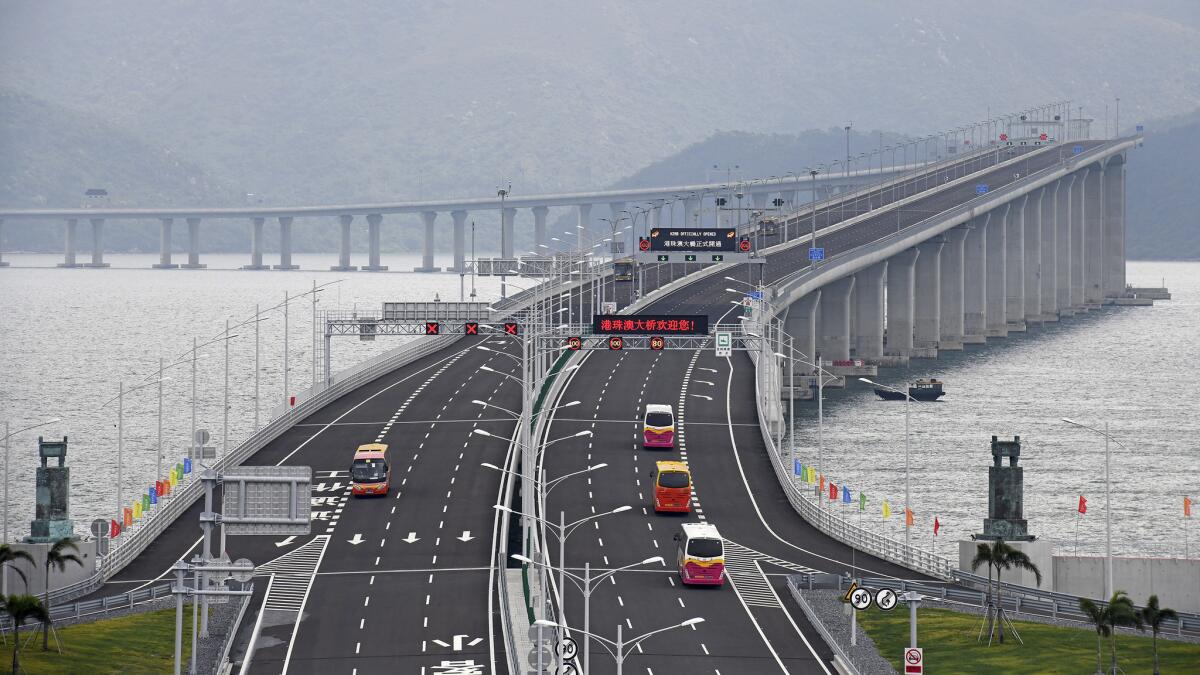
[
  {"x": 471, "y": 328},
  {"x": 574, "y": 343},
  {"x": 615, "y": 343},
  {"x": 643, "y": 244},
  {"x": 432, "y": 327},
  {"x": 510, "y": 329},
  {"x": 657, "y": 342}
]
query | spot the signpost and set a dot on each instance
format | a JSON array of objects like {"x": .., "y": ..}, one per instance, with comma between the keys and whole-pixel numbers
[
  {"x": 816, "y": 253},
  {"x": 714, "y": 244},
  {"x": 1077, "y": 149},
  {"x": 267, "y": 500},
  {"x": 981, "y": 189},
  {"x": 724, "y": 343}
]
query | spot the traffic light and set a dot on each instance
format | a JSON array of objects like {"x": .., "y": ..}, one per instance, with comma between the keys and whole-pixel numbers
[
  {"x": 471, "y": 328},
  {"x": 432, "y": 328},
  {"x": 510, "y": 329},
  {"x": 777, "y": 202},
  {"x": 720, "y": 201}
]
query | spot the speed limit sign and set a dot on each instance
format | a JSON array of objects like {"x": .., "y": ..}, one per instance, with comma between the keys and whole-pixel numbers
[
  {"x": 567, "y": 649},
  {"x": 860, "y": 599}
]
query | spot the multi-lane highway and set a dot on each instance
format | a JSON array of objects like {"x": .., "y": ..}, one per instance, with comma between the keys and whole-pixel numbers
[{"x": 406, "y": 582}]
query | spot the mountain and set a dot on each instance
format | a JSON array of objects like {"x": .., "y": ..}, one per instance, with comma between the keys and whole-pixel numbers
[
  {"x": 310, "y": 102},
  {"x": 1163, "y": 209}
]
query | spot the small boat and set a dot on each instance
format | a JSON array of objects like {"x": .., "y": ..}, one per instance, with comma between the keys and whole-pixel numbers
[{"x": 922, "y": 390}]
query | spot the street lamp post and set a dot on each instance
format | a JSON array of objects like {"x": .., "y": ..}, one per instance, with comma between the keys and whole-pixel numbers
[
  {"x": 812, "y": 262},
  {"x": 907, "y": 398},
  {"x": 502, "y": 193},
  {"x": 621, "y": 648},
  {"x": 120, "y": 399},
  {"x": 1108, "y": 577},
  {"x": 585, "y": 584}
]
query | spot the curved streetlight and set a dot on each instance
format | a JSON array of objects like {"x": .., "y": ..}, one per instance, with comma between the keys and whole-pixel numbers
[
  {"x": 585, "y": 586},
  {"x": 1108, "y": 588},
  {"x": 618, "y": 648},
  {"x": 907, "y": 397}
]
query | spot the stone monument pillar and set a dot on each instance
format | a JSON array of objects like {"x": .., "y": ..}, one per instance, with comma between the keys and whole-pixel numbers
[{"x": 52, "y": 519}]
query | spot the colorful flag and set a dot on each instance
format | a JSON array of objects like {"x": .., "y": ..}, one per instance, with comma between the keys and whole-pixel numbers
[
  {"x": 127, "y": 516},
  {"x": 114, "y": 529},
  {"x": 158, "y": 487},
  {"x": 936, "y": 526},
  {"x": 187, "y": 464},
  {"x": 146, "y": 503},
  {"x": 137, "y": 510},
  {"x": 845, "y": 495},
  {"x": 908, "y": 517},
  {"x": 1082, "y": 505},
  {"x": 822, "y": 482},
  {"x": 1187, "y": 507},
  {"x": 832, "y": 491},
  {"x": 862, "y": 501},
  {"x": 887, "y": 510},
  {"x": 797, "y": 467}
]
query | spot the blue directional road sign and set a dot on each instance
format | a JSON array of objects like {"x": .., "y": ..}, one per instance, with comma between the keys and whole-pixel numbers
[
  {"x": 1077, "y": 149},
  {"x": 816, "y": 253},
  {"x": 1140, "y": 128},
  {"x": 755, "y": 295},
  {"x": 980, "y": 189}
]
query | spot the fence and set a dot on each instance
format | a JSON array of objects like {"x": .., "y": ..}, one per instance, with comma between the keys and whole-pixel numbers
[
  {"x": 78, "y": 610},
  {"x": 1019, "y": 599}
]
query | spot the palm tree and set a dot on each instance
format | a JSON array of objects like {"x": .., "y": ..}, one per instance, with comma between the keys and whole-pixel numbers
[
  {"x": 983, "y": 555},
  {"x": 1120, "y": 612},
  {"x": 1099, "y": 618},
  {"x": 23, "y": 608},
  {"x": 1002, "y": 557},
  {"x": 1153, "y": 616},
  {"x": 8, "y": 554},
  {"x": 61, "y": 552}
]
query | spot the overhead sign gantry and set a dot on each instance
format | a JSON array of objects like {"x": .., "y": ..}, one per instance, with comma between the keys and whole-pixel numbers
[{"x": 707, "y": 245}]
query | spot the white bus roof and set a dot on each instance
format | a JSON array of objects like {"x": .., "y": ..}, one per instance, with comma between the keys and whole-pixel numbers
[
  {"x": 700, "y": 531},
  {"x": 658, "y": 407}
]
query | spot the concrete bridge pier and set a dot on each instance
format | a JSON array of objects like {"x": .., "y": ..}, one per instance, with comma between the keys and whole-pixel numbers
[
  {"x": 1048, "y": 272},
  {"x": 996, "y": 286},
  {"x": 506, "y": 232},
  {"x": 1033, "y": 256},
  {"x": 1014, "y": 274},
  {"x": 374, "y": 220},
  {"x": 900, "y": 303},
  {"x": 193, "y": 262},
  {"x": 256, "y": 245},
  {"x": 974, "y": 268},
  {"x": 344, "y": 265},
  {"x": 427, "y": 250},
  {"x": 691, "y": 211},
  {"x": 97, "y": 243},
  {"x": 164, "y": 245},
  {"x": 1078, "y": 249},
  {"x": 927, "y": 307},
  {"x": 953, "y": 289},
  {"x": 1114, "y": 228},
  {"x": 1062, "y": 236},
  {"x": 1093, "y": 239},
  {"x": 69, "y": 244},
  {"x": 285, "y": 244},
  {"x": 868, "y": 311},
  {"x": 801, "y": 323},
  {"x": 460, "y": 241},
  {"x": 539, "y": 229},
  {"x": 834, "y": 341},
  {"x": 2, "y": 263}
]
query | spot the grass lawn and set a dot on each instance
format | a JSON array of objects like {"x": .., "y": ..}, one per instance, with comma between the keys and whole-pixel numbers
[
  {"x": 949, "y": 641},
  {"x": 141, "y": 643}
]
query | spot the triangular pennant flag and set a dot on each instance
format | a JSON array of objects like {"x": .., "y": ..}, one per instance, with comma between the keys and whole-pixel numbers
[
  {"x": 137, "y": 510},
  {"x": 845, "y": 495},
  {"x": 936, "y": 526},
  {"x": 887, "y": 510},
  {"x": 908, "y": 517},
  {"x": 862, "y": 501},
  {"x": 1082, "y": 508},
  {"x": 1187, "y": 507},
  {"x": 832, "y": 491},
  {"x": 114, "y": 529}
]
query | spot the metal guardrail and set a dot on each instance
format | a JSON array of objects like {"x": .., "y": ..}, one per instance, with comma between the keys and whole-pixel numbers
[
  {"x": 813, "y": 619},
  {"x": 78, "y": 610},
  {"x": 1020, "y": 599}
]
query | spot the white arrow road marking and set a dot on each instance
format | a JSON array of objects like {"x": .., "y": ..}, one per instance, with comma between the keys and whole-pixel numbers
[
  {"x": 357, "y": 539},
  {"x": 285, "y": 542},
  {"x": 705, "y": 382},
  {"x": 707, "y": 398},
  {"x": 411, "y": 538},
  {"x": 711, "y": 370},
  {"x": 458, "y": 642},
  {"x": 466, "y": 536}
]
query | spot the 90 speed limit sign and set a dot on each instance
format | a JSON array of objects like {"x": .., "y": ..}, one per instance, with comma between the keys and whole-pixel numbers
[{"x": 860, "y": 599}]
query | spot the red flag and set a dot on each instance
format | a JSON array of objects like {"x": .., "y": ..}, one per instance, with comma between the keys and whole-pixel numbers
[
  {"x": 936, "y": 526},
  {"x": 1082, "y": 504},
  {"x": 908, "y": 517},
  {"x": 114, "y": 529},
  {"x": 833, "y": 491},
  {"x": 1187, "y": 507}
]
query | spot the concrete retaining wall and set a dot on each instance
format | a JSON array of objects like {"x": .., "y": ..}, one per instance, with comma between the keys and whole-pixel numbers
[{"x": 1176, "y": 581}]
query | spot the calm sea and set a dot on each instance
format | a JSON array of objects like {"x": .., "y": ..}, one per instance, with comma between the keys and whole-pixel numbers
[{"x": 69, "y": 337}]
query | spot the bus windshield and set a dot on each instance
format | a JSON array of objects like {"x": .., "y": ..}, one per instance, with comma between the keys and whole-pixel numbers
[
  {"x": 368, "y": 470},
  {"x": 673, "y": 479},
  {"x": 704, "y": 548},
  {"x": 658, "y": 419}
]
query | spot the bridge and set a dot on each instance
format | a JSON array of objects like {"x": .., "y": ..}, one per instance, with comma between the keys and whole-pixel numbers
[{"x": 966, "y": 250}]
